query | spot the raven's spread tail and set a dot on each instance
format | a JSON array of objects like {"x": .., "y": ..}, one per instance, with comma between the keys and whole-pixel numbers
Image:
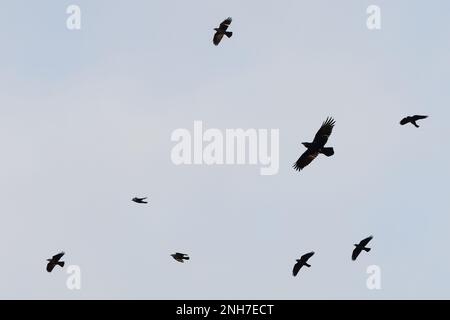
[
  {"x": 366, "y": 249},
  {"x": 308, "y": 265},
  {"x": 229, "y": 34},
  {"x": 415, "y": 124},
  {"x": 61, "y": 264},
  {"x": 328, "y": 151},
  {"x": 186, "y": 258}
]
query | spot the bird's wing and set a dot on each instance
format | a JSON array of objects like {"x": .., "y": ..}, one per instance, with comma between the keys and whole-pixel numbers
[
  {"x": 324, "y": 132},
  {"x": 58, "y": 256},
  {"x": 305, "y": 257},
  {"x": 50, "y": 266},
  {"x": 217, "y": 38},
  {"x": 404, "y": 120},
  {"x": 365, "y": 241},
  {"x": 355, "y": 253},
  {"x": 225, "y": 24},
  {"x": 306, "y": 158},
  {"x": 418, "y": 117},
  {"x": 297, "y": 268}
]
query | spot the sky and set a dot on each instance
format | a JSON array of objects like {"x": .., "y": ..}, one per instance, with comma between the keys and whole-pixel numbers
[{"x": 86, "y": 118}]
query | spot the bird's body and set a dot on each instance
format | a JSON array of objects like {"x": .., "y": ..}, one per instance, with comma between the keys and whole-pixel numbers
[
  {"x": 361, "y": 246},
  {"x": 303, "y": 261},
  {"x": 54, "y": 261},
  {"x": 180, "y": 257},
  {"x": 317, "y": 146},
  {"x": 221, "y": 31},
  {"x": 139, "y": 200},
  {"x": 413, "y": 120}
]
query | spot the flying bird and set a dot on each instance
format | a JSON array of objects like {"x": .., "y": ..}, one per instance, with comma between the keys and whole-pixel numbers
[
  {"x": 180, "y": 257},
  {"x": 360, "y": 247},
  {"x": 54, "y": 261},
  {"x": 302, "y": 262},
  {"x": 317, "y": 146},
  {"x": 412, "y": 120},
  {"x": 221, "y": 31},
  {"x": 139, "y": 200}
]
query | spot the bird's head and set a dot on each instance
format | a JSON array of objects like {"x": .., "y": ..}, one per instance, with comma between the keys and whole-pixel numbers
[
  {"x": 216, "y": 29},
  {"x": 49, "y": 260}
]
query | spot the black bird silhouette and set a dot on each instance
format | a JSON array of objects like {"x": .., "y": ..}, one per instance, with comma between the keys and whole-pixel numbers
[
  {"x": 302, "y": 262},
  {"x": 412, "y": 120},
  {"x": 139, "y": 200},
  {"x": 221, "y": 31},
  {"x": 317, "y": 146},
  {"x": 55, "y": 261},
  {"x": 180, "y": 257},
  {"x": 360, "y": 247}
]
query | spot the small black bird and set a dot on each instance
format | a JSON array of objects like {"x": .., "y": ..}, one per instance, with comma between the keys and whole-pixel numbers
[
  {"x": 302, "y": 262},
  {"x": 360, "y": 247},
  {"x": 317, "y": 146},
  {"x": 412, "y": 120},
  {"x": 221, "y": 31},
  {"x": 55, "y": 261},
  {"x": 180, "y": 257},
  {"x": 139, "y": 200}
]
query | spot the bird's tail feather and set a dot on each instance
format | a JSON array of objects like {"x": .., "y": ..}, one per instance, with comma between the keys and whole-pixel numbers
[
  {"x": 61, "y": 264},
  {"x": 328, "y": 151},
  {"x": 229, "y": 34},
  {"x": 366, "y": 249},
  {"x": 308, "y": 265},
  {"x": 186, "y": 258}
]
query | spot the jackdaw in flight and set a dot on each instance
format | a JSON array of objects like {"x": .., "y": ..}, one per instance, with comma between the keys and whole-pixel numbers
[
  {"x": 317, "y": 146},
  {"x": 55, "y": 261},
  {"x": 302, "y": 262},
  {"x": 139, "y": 200},
  {"x": 180, "y": 257},
  {"x": 222, "y": 30},
  {"x": 412, "y": 120},
  {"x": 360, "y": 247}
]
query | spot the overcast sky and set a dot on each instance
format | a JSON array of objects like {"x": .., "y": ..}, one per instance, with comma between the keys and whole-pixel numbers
[{"x": 86, "y": 119}]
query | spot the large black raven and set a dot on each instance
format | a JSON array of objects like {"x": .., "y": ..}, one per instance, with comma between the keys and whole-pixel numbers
[
  {"x": 303, "y": 261},
  {"x": 139, "y": 200},
  {"x": 412, "y": 120},
  {"x": 55, "y": 261},
  {"x": 180, "y": 257},
  {"x": 317, "y": 146},
  {"x": 221, "y": 31},
  {"x": 360, "y": 247}
]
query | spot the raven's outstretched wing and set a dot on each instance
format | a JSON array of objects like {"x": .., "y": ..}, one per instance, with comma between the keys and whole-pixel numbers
[
  {"x": 225, "y": 24},
  {"x": 50, "y": 266},
  {"x": 324, "y": 132},
  {"x": 306, "y": 256},
  {"x": 365, "y": 241},
  {"x": 418, "y": 117},
  {"x": 306, "y": 158},
  {"x": 355, "y": 253},
  {"x": 58, "y": 256},
  {"x": 217, "y": 38},
  {"x": 297, "y": 268}
]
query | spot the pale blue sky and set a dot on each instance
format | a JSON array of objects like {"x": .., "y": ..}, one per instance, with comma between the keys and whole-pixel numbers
[{"x": 85, "y": 124}]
